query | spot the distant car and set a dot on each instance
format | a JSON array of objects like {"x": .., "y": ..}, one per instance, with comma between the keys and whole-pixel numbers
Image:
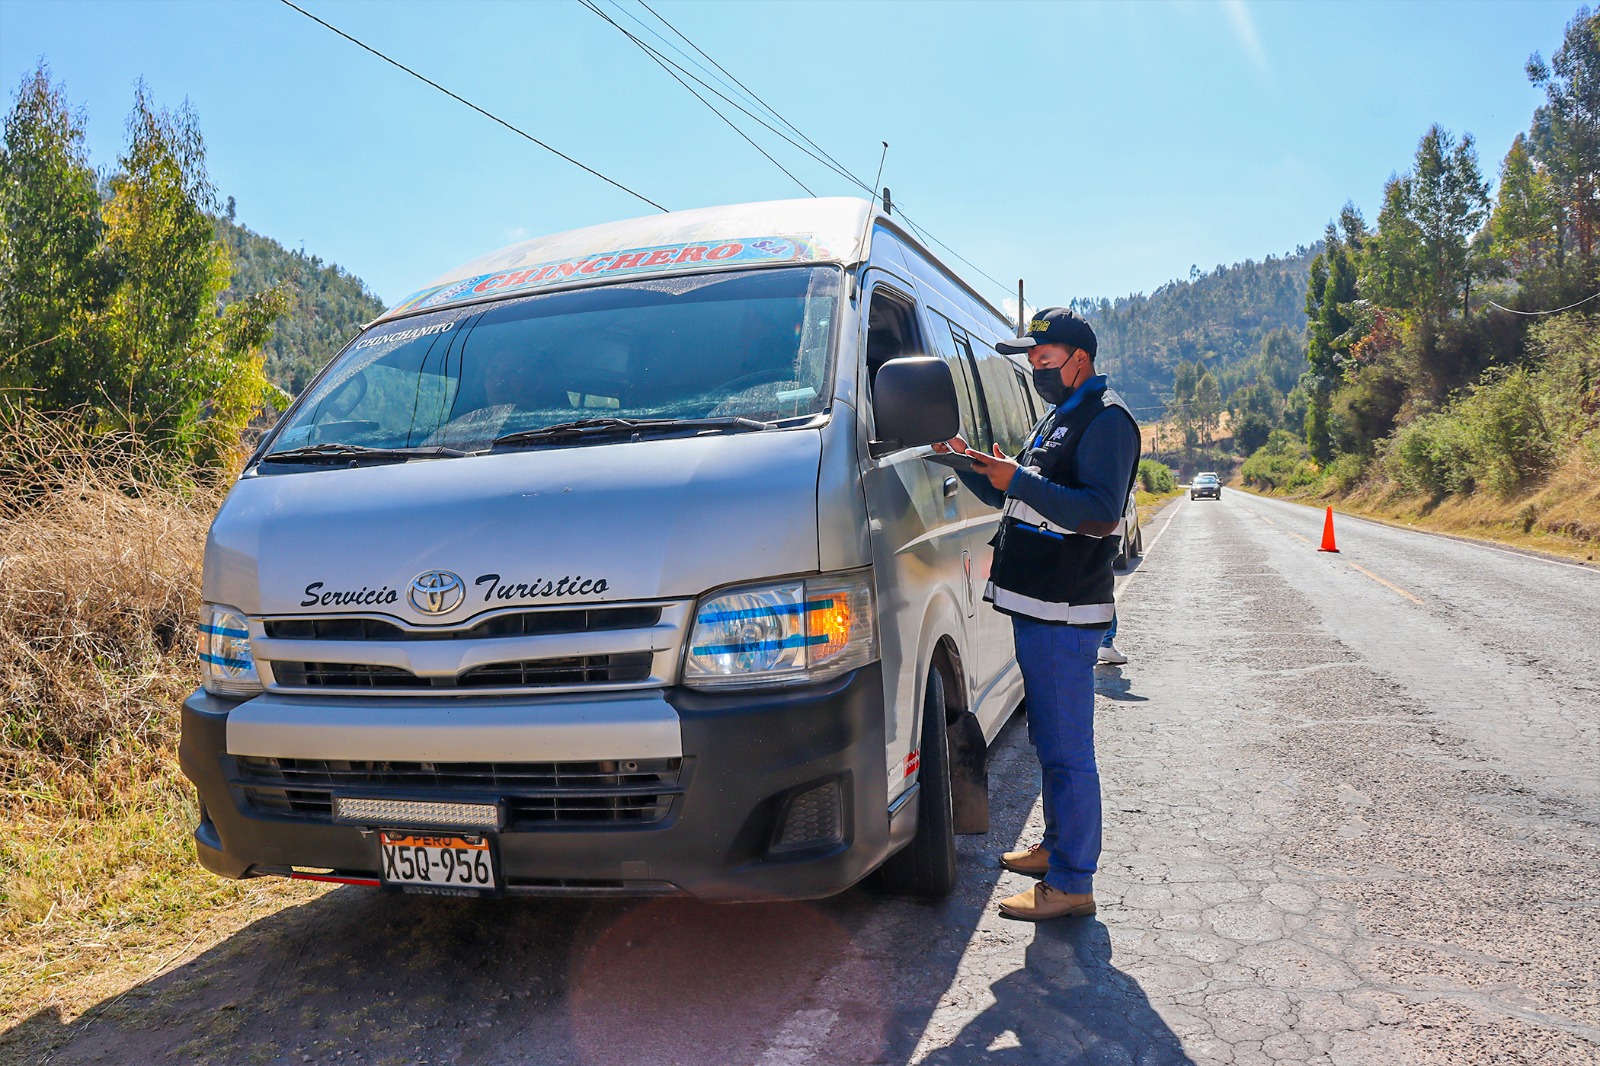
[
  {"x": 1206, "y": 484},
  {"x": 1132, "y": 536}
]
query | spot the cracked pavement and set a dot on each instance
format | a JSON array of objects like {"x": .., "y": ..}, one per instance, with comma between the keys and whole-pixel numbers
[
  {"x": 1345, "y": 822},
  {"x": 1352, "y": 817}
]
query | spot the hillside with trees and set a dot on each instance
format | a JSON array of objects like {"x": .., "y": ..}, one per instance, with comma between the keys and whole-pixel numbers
[
  {"x": 1453, "y": 344},
  {"x": 110, "y": 283},
  {"x": 1214, "y": 322},
  {"x": 326, "y": 304}
]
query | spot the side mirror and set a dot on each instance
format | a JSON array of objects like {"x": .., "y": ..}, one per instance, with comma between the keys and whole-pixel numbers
[{"x": 913, "y": 403}]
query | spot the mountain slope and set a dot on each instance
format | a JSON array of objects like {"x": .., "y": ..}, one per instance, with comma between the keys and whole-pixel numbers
[
  {"x": 1218, "y": 318},
  {"x": 329, "y": 304}
]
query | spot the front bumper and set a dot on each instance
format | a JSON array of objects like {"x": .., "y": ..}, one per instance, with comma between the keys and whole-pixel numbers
[
  {"x": 1211, "y": 493},
  {"x": 728, "y": 831}
]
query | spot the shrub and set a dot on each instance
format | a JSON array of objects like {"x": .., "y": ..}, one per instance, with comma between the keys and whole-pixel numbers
[
  {"x": 1344, "y": 472},
  {"x": 1433, "y": 454},
  {"x": 1508, "y": 434},
  {"x": 1156, "y": 477},
  {"x": 1281, "y": 464},
  {"x": 1568, "y": 381}
]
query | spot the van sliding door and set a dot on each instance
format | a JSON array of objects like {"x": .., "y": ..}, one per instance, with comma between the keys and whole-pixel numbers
[{"x": 916, "y": 530}]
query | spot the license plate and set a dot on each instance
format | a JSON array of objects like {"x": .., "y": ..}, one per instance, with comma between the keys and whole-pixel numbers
[{"x": 437, "y": 860}]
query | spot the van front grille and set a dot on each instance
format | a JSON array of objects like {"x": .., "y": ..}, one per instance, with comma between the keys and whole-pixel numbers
[
  {"x": 345, "y": 675},
  {"x": 535, "y": 795},
  {"x": 523, "y": 673},
  {"x": 519, "y": 624}
]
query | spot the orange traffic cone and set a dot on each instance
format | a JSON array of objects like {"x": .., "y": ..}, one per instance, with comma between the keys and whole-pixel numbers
[{"x": 1327, "y": 534}]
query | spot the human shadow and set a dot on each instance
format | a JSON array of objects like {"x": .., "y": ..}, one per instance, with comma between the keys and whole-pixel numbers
[
  {"x": 1109, "y": 682},
  {"x": 361, "y": 976},
  {"x": 1068, "y": 1004}
]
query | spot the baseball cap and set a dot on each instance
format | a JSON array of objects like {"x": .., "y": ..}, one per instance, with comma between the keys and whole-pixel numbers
[{"x": 1053, "y": 325}]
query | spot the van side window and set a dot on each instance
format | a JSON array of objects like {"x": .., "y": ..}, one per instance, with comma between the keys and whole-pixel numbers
[
  {"x": 1029, "y": 395},
  {"x": 891, "y": 330},
  {"x": 965, "y": 370},
  {"x": 1009, "y": 415}
]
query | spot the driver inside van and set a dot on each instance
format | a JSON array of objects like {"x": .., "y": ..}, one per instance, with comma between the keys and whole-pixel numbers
[
  {"x": 515, "y": 381},
  {"x": 519, "y": 379}
]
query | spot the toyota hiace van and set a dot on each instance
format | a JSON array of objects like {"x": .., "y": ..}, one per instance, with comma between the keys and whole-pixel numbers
[{"x": 616, "y": 562}]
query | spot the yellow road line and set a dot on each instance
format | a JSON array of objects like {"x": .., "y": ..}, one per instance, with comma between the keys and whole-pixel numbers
[{"x": 1385, "y": 584}]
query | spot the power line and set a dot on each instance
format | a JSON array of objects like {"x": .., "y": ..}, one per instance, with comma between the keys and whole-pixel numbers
[
  {"x": 461, "y": 99},
  {"x": 815, "y": 151},
  {"x": 838, "y": 166},
  {"x": 667, "y": 65},
  {"x": 819, "y": 154},
  {"x": 1553, "y": 311},
  {"x": 701, "y": 67},
  {"x": 931, "y": 239}
]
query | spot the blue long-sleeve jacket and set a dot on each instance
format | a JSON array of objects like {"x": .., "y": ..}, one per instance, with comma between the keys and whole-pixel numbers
[{"x": 1107, "y": 454}]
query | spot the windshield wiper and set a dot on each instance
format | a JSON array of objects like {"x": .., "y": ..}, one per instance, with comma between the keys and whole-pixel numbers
[
  {"x": 591, "y": 427},
  {"x": 315, "y": 453}
]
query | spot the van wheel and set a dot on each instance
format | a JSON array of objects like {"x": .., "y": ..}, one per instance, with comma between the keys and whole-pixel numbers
[{"x": 927, "y": 865}]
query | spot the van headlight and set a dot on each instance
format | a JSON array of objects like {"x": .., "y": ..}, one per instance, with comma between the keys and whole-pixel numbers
[
  {"x": 226, "y": 666},
  {"x": 783, "y": 632}
]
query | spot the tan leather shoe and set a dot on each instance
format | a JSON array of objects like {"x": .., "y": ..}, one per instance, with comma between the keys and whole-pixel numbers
[
  {"x": 1042, "y": 903},
  {"x": 1034, "y": 861}
]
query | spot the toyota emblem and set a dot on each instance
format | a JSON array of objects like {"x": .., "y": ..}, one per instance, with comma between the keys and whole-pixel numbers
[{"x": 437, "y": 592}]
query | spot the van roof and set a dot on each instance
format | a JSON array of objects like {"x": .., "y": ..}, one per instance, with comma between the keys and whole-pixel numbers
[{"x": 832, "y": 229}]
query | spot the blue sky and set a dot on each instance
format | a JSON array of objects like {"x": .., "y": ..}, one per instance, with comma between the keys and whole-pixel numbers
[{"x": 1094, "y": 149}]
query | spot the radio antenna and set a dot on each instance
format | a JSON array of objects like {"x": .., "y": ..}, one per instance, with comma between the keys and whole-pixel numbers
[{"x": 876, "y": 177}]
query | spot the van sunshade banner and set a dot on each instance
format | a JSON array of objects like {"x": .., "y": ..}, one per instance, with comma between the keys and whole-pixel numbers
[{"x": 738, "y": 251}]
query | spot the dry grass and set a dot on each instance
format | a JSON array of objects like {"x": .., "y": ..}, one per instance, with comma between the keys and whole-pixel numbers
[
  {"x": 1560, "y": 516},
  {"x": 100, "y": 550}
]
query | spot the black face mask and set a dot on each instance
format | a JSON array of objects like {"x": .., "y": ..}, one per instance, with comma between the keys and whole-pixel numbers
[{"x": 1048, "y": 384}]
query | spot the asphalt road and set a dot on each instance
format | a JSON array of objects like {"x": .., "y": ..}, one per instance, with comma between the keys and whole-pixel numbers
[{"x": 1352, "y": 816}]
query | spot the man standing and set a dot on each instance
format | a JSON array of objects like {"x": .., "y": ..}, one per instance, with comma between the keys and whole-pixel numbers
[{"x": 1063, "y": 500}]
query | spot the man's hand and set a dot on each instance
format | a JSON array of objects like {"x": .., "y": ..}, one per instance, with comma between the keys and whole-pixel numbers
[
  {"x": 957, "y": 444},
  {"x": 999, "y": 468}
]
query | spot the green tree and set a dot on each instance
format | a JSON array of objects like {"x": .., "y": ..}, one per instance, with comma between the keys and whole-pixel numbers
[
  {"x": 1566, "y": 133},
  {"x": 1207, "y": 403},
  {"x": 183, "y": 374},
  {"x": 1422, "y": 259},
  {"x": 1329, "y": 297},
  {"x": 1251, "y": 432},
  {"x": 1281, "y": 359},
  {"x": 53, "y": 278},
  {"x": 1391, "y": 265},
  {"x": 1425, "y": 229},
  {"x": 1181, "y": 408},
  {"x": 1525, "y": 224}
]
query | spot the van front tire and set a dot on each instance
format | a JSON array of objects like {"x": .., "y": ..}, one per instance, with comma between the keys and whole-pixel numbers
[{"x": 927, "y": 866}]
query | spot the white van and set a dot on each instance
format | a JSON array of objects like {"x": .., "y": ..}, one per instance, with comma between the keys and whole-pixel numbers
[{"x": 615, "y": 562}]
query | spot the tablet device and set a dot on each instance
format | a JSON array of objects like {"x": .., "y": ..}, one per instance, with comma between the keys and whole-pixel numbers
[{"x": 954, "y": 460}]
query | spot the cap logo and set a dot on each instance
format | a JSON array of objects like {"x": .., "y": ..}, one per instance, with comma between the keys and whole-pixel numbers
[{"x": 1038, "y": 325}]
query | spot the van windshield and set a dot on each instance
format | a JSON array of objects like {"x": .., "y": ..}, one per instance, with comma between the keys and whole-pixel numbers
[{"x": 752, "y": 345}]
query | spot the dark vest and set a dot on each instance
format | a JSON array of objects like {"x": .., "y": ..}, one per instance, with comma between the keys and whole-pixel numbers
[{"x": 1044, "y": 572}]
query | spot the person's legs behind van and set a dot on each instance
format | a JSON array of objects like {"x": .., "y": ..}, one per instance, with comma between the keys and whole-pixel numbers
[{"x": 1108, "y": 653}]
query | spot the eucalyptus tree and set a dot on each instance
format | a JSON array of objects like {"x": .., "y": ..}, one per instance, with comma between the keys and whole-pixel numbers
[
  {"x": 54, "y": 277},
  {"x": 1566, "y": 135}
]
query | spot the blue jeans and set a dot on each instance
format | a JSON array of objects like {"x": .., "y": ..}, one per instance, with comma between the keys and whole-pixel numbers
[
  {"x": 1111, "y": 634},
  {"x": 1058, "y": 677}
]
